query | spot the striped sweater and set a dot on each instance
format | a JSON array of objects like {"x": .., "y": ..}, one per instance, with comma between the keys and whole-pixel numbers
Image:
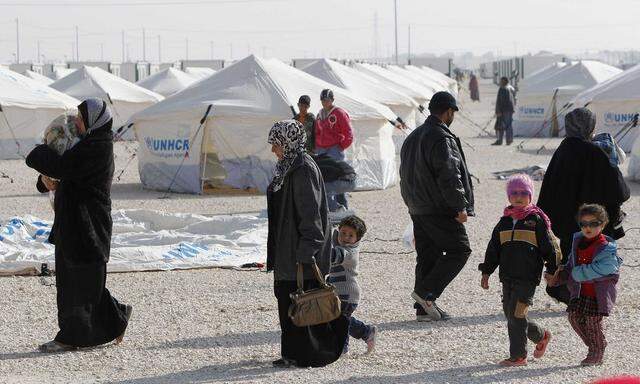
[{"x": 344, "y": 270}]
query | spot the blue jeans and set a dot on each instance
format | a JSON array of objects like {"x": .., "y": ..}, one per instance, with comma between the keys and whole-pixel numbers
[
  {"x": 337, "y": 188},
  {"x": 337, "y": 199},
  {"x": 357, "y": 329}
]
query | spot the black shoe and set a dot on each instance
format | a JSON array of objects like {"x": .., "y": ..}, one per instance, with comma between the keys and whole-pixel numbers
[
  {"x": 509, "y": 142},
  {"x": 283, "y": 363},
  {"x": 497, "y": 143},
  {"x": 444, "y": 316}
]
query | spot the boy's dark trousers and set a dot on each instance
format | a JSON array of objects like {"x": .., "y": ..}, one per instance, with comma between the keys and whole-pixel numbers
[
  {"x": 357, "y": 329},
  {"x": 516, "y": 299}
]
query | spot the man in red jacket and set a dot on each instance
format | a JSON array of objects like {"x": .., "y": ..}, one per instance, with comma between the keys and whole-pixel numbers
[{"x": 333, "y": 136}]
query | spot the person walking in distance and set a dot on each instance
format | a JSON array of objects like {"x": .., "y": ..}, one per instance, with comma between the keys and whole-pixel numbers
[
  {"x": 505, "y": 107},
  {"x": 436, "y": 187},
  {"x": 333, "y": 136}
]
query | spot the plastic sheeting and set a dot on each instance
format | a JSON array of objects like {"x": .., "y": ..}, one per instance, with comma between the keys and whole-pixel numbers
[
  {"x": 145, "y": 240},
  {"x": 246, "y": 98},
  {"x": 27, "y": 108}
]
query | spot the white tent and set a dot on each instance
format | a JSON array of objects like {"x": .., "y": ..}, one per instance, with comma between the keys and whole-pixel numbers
[
  {"x": 59, "y": 73},
  {"x": 615, "y": 103},
  {"x": 26, "y": 108},
  {"x": 634, "y": 161},
  {"x": 123, "y": 97},
  {"x": 167, "y": 82},
  {"x": 199, "y": 73},
  {"x": 38, "y": 77},
  {"x": 545, "y": 102},
  {"x": 224, "y": 120},
  {"x": 431, "y": 84},
  {"x": 451, "y": 84},
  {"x": 418, "y": 93},
  {"x": 542, "y": 73},
  {"x": 366, "y": 86}
]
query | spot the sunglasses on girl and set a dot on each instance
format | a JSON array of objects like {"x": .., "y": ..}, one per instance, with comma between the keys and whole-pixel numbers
[
  {"x": 519, "y": 194},
  {"x": 590, "y": 224}
]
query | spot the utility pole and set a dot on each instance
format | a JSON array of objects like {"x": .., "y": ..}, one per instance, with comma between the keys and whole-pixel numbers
[
  {"x": 395, "y": 15},
  {"x": 17, "y": 41},
  {"x": 230, "y": 51},
  {"x": 159, "y": 50},
  {"x": 186, "y": 40},
  {"x": 376, "y": 36},
  {"x": 38, "y": 57},
  {"x": 77, "y": 47},
  {"x": 211, "y": 44},
  {"x": 101, "y": 51},
  {"x": 144, "y": 45},
  {"x": 123, "y": 45},
  {"x": 409, "y": 47}
]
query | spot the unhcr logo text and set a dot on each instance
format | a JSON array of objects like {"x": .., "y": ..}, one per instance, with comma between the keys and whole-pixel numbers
[{"x": 167, "y": 147}]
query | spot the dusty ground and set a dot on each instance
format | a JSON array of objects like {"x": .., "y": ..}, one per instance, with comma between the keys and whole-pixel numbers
[{"x": 210, "y": 326}]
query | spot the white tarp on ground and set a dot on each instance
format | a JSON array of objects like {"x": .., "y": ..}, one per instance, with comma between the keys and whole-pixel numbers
[
  {"x": 537, "y": 104},
  {"x": 167, "y": 82},
  {"x": 229, "y": 145},
  {"x": 146, "y": 240},
  {"x": 615, "y": 103},
  {"x": 123, "y": 97},
  {"x": 366, "y": 86},
  {"x": 26, "y": 109}
]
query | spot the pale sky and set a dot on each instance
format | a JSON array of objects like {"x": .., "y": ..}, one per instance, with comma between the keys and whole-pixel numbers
[{"x": 329, "y": 28}]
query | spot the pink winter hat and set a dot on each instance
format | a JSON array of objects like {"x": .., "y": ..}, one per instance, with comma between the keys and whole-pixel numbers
[{"x": 520, "y": 182}]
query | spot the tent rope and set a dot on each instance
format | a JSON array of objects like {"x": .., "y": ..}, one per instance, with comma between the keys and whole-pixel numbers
[
  {"x": 547, "y": 120},
  {"x": 186, "y": 153},
  {"x": 13, "y": 134}
]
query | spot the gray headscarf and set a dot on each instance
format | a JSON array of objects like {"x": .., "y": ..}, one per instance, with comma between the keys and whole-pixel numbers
[
  {"x": 580, "y": 123},
  {"x": 95, "y": 114},
  {"x": 291, "y": 136}
]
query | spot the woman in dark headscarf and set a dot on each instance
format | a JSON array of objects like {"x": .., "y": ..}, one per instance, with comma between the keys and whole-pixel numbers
[
  {"x": 474, "y": 89},
  {"x": 580, "y": 173},
  {"x": 87, "y": 313},
  {"x": 299, "y": 233}
]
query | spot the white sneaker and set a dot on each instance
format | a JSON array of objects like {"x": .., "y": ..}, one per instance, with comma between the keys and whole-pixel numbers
[{"x": 432, "y": 313}]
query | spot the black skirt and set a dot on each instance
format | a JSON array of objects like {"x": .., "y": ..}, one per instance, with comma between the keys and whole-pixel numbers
[
  {"x": 87, "y": 313},
  {"x": 314, "y": 346}
]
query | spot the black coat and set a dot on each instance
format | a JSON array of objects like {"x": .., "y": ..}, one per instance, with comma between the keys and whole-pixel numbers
[
  {"x": 521, "y": 249},
  {"x": 505, "y": 101},
  {"x": 580, "y": 173},
  {"x": 82, "y": 225},
  {"x": 333, "y": 169},
  {"x": 434, "y": 178},
  {"x": 299, "y": 228}
]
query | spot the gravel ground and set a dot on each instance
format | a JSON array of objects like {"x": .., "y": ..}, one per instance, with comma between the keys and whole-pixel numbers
[{"x": 206, "y": 326}]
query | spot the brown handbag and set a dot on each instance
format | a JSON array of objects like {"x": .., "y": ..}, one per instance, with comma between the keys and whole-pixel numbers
[{"x": 316, "y": 306}]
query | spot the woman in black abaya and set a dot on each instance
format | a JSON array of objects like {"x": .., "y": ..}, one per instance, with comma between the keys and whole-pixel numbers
[{"x": 87, "y": 313}]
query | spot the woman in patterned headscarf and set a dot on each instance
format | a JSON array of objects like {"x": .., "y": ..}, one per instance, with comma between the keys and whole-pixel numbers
[
  {"x": 87, "y": 313},
  {"x": 299, "y": 232},
  {"x": 580, "y": 173}
]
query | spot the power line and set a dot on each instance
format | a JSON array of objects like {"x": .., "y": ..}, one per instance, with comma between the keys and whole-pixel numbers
[{"x": 138, "y": 4}]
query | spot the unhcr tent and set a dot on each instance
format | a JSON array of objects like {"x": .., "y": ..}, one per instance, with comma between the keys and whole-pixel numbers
[
  {"x": 199, "y": 73},
  {"x": 634, "y": 161},
  {"x": 615, "y": 103},
  {"x": 167, "y": 82},
  {"x": 450, "y": 84},
  {"x": 26, "y": 109},
  {"x": 59, "y": 73},
  {"x": 542, "y": 73},
  {"x": 366, "y": 86},
  {"x": 214, "y": 133},
  {"x": 418, "y": 93},
  {"x": 123, "y": 97},
  {"x": 542, "y": 105},
  {"x": 431, "y": 84},
  {"x": 38, "y": 77}
]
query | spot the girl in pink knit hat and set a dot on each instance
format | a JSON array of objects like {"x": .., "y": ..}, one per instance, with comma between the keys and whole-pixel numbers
[{"x": 521, "y": 245}]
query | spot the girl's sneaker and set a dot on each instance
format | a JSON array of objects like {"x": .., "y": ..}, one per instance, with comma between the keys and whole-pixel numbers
[
  {"x": 514, "y": 362},
  {"x": 591, "y": 361},
  {"x": 541, "y": 347},
  {"x": 371, "y": 340}
]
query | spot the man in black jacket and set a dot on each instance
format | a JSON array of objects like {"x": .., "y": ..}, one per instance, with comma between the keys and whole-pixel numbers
[
  {"x": 436, "y": 187},
  {"x": 505, "y": 107}
]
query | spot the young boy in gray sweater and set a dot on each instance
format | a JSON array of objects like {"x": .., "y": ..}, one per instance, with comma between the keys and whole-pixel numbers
[{"x": 343, "y": 273}]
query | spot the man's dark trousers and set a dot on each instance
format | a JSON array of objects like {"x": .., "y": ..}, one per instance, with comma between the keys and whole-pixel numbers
[{"x": 443, "y": 248}]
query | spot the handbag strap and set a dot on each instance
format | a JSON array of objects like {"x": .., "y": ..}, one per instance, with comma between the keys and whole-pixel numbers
[{"x": 316, "y": 273}]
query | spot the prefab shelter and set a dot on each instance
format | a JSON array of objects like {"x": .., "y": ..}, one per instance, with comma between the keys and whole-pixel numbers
[
  {"x": 616, "y": 102},
  {"x": 214, "y": 133},
  {"x": 542, "y": 105},
  {"x": 26, "y": 108},
  {"x": 167, "y": 82},
  {"x": 38, "y": 77},
  {"x": 366, "y": 86},
  {"x": 123, "y": 97}
]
